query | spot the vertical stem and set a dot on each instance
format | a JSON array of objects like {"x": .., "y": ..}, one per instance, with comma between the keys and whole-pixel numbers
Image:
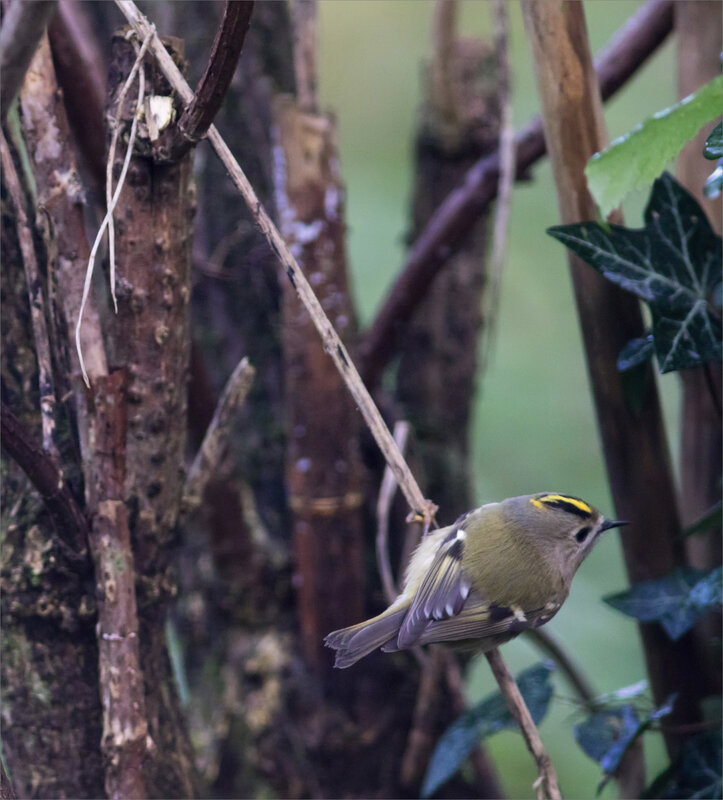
[
  {"x": 36, "y": 302},
  {"x": 635, "y": 447},
  {"x": 125, "y": 728},
  {"x": 699, "y": 42},
  {"x": 323, "y": 463}
]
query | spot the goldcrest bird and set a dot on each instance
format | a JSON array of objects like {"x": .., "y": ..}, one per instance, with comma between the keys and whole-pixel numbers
[{"x": 495, "y": 572}]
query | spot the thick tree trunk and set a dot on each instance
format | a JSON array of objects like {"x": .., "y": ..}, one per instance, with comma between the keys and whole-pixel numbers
[
  {"x": 150, "y": 341},
  {"x": 323, "y": 466},
  {"x": 51, "y": 708}
]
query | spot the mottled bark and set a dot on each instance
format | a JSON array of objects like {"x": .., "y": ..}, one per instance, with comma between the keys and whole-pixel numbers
[
  {"x": 437, "y": 372},
  {"x": 323, "y": 466},
  {"x": 51, "y": 709},
  {"x": 150, "y": 339},
  {"x": 125, "y": 729}
]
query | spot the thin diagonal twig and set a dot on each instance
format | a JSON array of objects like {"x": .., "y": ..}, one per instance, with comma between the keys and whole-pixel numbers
[
  {"x": 384, "y": 503},
  {"x": 332, "y": 343}
]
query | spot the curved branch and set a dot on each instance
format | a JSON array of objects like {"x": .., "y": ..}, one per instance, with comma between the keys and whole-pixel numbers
[
  {"x": 70, "y": 523},
  {"x": 22, "y": 28},
  {"x": 201, "y": 111},
  {"x": 80, "y": 69},
  {"x": 641, "y": 35}
]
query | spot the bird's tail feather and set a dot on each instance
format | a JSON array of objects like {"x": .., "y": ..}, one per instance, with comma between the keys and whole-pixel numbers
[{"x": 359, "y": 640}]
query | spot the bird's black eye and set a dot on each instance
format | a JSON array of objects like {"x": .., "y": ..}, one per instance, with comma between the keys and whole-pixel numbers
[{"x": 582, "y": 534}]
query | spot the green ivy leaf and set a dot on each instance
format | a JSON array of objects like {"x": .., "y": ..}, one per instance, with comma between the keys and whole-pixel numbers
[
  {"x": 607, "y": 734},
  {"x": 696, "y": 773},
  {"x": 635, "y": 159},
  {"x": 713, "y": 149},
  {"x": 675, "y": 601},
  {"x": 636, "y": 352},
  {"x": 487, "y": 717},
  {"x": 673, "y": 263}
]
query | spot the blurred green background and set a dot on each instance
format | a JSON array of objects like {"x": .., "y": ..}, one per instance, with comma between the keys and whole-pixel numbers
[{"x": 534, "y": 426}]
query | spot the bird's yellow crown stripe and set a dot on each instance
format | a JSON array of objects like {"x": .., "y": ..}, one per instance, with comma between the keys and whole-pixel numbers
[{"x": 552, "y": 498}]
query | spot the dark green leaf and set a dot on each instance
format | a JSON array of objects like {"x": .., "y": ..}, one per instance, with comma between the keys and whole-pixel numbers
[
  {"x": 673, "y": 263},
  {"x": 675, "y": 601},
  {"x": 696, "y": 773},
  {"x": 607, "y": 734},
  {"x": 708, "y": 592},
  {"x": 714, "y": 143},
  {"x": 686, "y": 340},
  {"x": 635, "y": 352},
  {"x": 487, "y": 717},
  {"x": 714, "y": 182},
  {"x": 712, "y": 519}
]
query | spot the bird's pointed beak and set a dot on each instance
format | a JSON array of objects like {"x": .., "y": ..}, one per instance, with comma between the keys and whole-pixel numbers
[{"x": 613, "y": 523}]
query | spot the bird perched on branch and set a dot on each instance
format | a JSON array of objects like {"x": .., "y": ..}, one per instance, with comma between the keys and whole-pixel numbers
[{"x": 497, "y": 571}]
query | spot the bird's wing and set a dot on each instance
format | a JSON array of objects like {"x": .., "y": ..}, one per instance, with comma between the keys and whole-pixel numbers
[
  {"x": 442, "y": 593},
  {"x": 477, "y": 619}
]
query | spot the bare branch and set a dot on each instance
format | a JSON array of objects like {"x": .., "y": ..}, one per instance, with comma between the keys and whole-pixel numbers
[
  {"x": 80, "y": 70},
  {"x": 48, "y": 405},
  {"x": 618, "y": 61},
  {"x": 384, "y": 504},
  {"x": 201, "y": 111},
  {"x": 547, "y": 778},
  {"x": 217, "y": 437},
  {"x": 23, "y": 25},
  {"x": 70, "y": 523}
]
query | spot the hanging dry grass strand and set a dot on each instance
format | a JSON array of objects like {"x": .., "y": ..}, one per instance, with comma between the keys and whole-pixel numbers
[{"x": 111, "y": 196}]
